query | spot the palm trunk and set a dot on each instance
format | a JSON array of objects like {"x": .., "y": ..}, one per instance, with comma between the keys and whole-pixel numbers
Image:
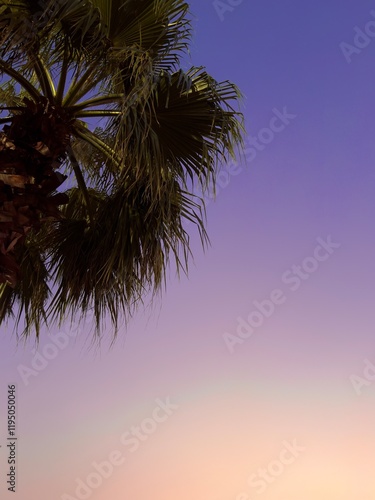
[{"x": 31, "y": 149}]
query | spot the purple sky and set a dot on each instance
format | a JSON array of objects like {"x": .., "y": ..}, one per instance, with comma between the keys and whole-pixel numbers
[{"x": 307, "y": 372}]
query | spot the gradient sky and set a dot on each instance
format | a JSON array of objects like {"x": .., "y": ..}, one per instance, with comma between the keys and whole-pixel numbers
[{"x": 305, "y": 378}]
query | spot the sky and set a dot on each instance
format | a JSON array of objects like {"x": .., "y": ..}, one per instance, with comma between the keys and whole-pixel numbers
[{"x": 255, "y": 375}]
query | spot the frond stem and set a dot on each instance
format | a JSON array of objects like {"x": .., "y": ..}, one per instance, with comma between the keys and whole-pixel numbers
[
  {"x": 81, "y": 182},
  {"x": 79, "y": 88},
  {"x": 97, "y": 113},
  {"x": 34, "y": 93},
  {"x": 6, "y": 120},
  {"x": 63, "y": 76},
  {"x": 44, "y": 77},
  {"x": 109, "y": 99},
  {"x": 97, "y": 143}
]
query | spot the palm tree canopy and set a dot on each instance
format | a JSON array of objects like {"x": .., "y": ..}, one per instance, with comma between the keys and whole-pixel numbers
[{"x": 103, "y": 242}]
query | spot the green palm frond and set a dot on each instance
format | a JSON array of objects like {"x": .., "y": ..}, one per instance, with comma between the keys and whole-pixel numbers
[
  {"x": 30, "y": 297},
  {"x": 113, "y": 262},
  {"x": 147, "y": 24},
  {"x": 16, "y": 29},
  {"x": 186, "y": 126}
]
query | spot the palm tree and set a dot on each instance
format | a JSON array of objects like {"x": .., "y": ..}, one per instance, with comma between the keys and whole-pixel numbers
[{"x": 105, "y": 239}]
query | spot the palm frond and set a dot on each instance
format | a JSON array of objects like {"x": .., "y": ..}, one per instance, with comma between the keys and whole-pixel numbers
[
  {"x": 187, "y": 126},
  {"x": 110, "y": 264},
  {"x": 158, "y": 27},
  {"x": 30, "y": 296}
]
